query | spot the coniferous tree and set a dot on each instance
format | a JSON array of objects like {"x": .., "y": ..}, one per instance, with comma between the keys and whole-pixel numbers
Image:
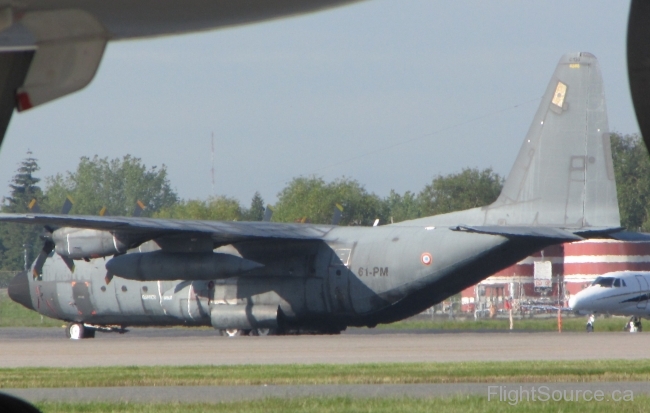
[
  {"x": 256, "y": 211},
  {"x": 14, "y": 238}
]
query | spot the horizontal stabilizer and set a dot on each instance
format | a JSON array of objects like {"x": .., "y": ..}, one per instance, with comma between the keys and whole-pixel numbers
[
  {"x": 631, "y": 236},
  {"x": 533, "y": 232}
]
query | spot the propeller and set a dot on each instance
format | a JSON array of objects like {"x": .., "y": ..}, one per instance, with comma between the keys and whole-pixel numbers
[
  {"x": 268, "y": 213},
  {"x": 338, "y": 213},
  {"x": 139, "y": 208},
  {"x": 46, "y": 236}
]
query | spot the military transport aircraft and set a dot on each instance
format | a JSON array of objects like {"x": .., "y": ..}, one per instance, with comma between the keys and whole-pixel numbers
[
  {"x": 281, "y": 277},
  {"x": 50, "y": 48},
  {"x": 616, "y": 293}
]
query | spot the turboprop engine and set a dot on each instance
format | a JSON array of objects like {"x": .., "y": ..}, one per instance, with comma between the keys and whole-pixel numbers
[
  {"x": 79, "y": 243},
  {"x": 167, "y": 266}
]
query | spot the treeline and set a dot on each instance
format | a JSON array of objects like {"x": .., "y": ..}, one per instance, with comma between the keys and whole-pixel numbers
[{"x": 114, "y": 187}]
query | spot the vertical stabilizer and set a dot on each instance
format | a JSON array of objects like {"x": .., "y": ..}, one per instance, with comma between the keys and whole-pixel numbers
[{"x": 563, "y": 175}]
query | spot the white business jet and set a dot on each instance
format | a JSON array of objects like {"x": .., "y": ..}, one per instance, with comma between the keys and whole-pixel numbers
[{"x": 616, "y": 293}]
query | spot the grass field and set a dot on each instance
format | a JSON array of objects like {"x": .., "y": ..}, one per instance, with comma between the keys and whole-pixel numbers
[
  {"x": 393, "y": 373},
  {"x": 15, "y": 315},
  {"x": 335, "y": 405}
]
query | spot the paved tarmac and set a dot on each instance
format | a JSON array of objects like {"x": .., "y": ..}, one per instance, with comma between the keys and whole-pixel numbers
[
  {"x": 216, "y": 394},
  {"x": 48, "y": 347}
]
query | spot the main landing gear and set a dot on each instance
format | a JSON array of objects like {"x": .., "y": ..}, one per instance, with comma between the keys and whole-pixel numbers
[
  {"x": 77, "y": 331},
  {"x": 234, "y": 332},
  {"x": 634, "y": 325}
]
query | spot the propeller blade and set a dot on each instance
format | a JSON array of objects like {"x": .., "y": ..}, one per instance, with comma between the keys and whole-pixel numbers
[
  {"x": 268, "y": 213},
  {"x": 102, "y": 211},
  {"x": 67, "y": 205},
  {"x": 33, "y": 206},
  {"x": 139, "y": 208},
  {"x": 37, "y": 270},
  {"x": 68, "y": 262},
  {"x": 338, "y": 213}
]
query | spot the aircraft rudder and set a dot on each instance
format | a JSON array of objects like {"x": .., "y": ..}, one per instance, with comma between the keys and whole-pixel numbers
[{"x": 563, "y": 175}]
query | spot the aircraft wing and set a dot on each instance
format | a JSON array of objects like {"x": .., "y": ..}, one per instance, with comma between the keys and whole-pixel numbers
[
  {"x": 221, "y": 232},
  {"x": 49, "y": 49}
]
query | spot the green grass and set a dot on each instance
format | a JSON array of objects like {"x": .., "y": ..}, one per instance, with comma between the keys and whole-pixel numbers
[
  {"x": 389, "y": 373},
  {"x": 15, "y": 315},
  {"x": 468, "y": 404},
  {"x": 570, "y": 323}
]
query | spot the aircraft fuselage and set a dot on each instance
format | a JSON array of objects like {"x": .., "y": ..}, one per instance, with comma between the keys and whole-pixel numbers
[
  {"x": 618, "y": 293},
  {"x": 355, "y": 276}
]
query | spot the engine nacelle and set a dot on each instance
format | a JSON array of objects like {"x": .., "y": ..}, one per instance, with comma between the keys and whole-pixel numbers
[
  {"x": 77, "y": 243},
  {"x": 167, "y": 266}
]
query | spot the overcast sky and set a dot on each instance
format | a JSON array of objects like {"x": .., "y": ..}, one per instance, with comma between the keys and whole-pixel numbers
[{"x": 390, "y": 93}]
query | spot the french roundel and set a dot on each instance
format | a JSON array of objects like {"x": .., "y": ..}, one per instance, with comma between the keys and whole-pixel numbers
[{"x": 426, "y": 258}]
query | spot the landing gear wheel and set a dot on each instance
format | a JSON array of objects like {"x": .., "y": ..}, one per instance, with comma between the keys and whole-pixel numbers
[
  {"x": 263, "y": 332},
  {"x": 75, "y": 331},
  {"x": 231, "y": 332}
]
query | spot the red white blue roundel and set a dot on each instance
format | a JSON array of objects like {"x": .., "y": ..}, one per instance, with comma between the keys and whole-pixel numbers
[{"x": 426, "y": 258}]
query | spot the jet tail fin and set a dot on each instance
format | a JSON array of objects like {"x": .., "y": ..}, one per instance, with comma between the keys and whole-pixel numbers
[{"x": 564, "y": 175}]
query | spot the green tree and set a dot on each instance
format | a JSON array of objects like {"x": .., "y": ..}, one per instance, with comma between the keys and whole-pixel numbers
[
  {"x": 14, "y": 237},
  {"x": 116, "y": 184},
  {"x": 256, "y": 211},
  {"x": 314, "y": 199},
  {"x": 401, "y": 208},
  {"x": 214, "y": 209},
  {"x": 632, "y": 172},
  {"x": 455, "y": 192}
]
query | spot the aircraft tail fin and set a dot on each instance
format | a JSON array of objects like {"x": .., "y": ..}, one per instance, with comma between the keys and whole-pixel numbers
[{"x": 564, "y": 175}]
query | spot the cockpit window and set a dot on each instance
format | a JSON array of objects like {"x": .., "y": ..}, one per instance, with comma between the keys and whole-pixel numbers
[
  {"x": 623, "y": 283},
  {"x": 617, "y": 282},
  {"x": 604, "y": 282}
]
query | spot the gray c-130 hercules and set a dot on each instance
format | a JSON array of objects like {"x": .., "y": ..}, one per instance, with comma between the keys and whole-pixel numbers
[{"x": 285, "y": 277}]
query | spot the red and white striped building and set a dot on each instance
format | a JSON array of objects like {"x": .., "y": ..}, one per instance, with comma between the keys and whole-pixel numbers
[{"x": 573, "y": 267}]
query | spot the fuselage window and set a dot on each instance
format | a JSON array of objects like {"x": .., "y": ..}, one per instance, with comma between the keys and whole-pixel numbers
[{"x": 617, "y": 282}]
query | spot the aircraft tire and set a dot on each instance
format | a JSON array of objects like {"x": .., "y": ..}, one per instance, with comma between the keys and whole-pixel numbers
[
  {"x": 75, "y": 331},
  {"x": 263, "y": 332},
  {"x": 231, "y": 332}
]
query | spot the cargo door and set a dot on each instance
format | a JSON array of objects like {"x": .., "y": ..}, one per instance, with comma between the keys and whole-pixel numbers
[
  {"x": 81, "y": 295},
  {"x": 339, "y": 277}
]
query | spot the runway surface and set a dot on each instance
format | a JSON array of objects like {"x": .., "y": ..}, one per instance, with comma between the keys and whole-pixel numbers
[
  {"x": 216, "y": 394},
  {"x": 35, "y": 347}
]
